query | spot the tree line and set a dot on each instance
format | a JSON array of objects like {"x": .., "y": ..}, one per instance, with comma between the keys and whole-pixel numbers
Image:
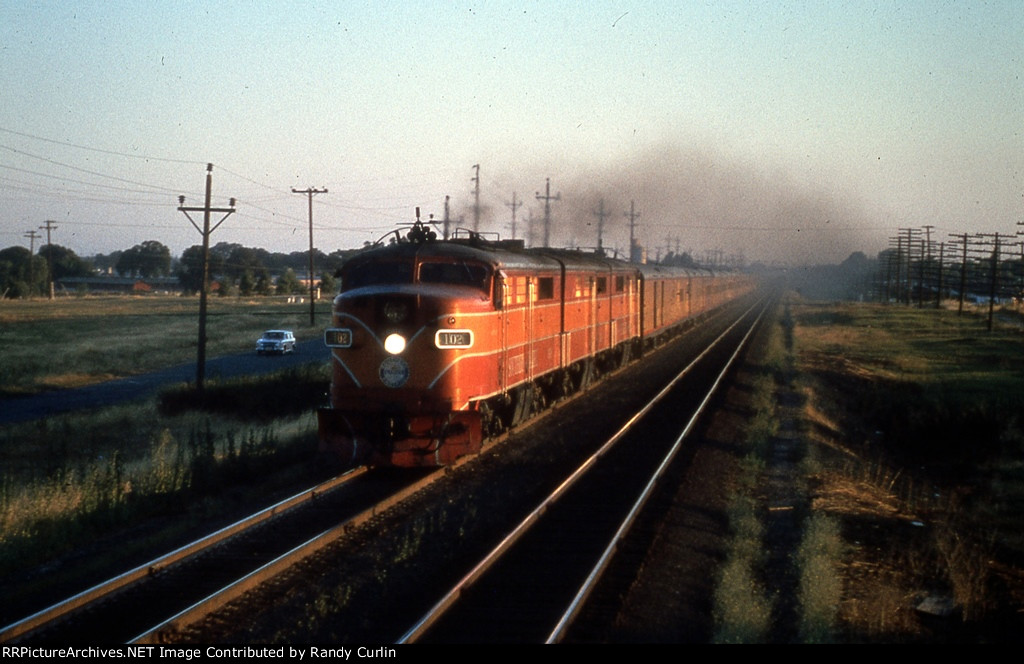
[{"x": 237, "y": 269}]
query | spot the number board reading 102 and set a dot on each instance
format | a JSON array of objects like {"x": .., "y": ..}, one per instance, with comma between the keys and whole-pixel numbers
[
  {"x": 338, "y": 338},
  {"x": 453, "y": 338}
]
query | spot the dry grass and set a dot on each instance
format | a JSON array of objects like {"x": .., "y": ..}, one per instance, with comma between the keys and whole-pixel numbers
[
  {"x": 916, "y": 444},
  {"x": 72, "y": 342}
]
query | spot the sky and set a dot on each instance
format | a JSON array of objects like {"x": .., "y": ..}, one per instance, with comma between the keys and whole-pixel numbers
[{"x": 779, "y": 132}]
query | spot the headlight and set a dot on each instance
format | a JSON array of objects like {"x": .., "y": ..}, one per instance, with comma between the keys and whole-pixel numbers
[{"x": 394, "y": 344}]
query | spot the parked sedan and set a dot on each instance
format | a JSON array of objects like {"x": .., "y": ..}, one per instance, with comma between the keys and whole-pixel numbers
[{"x": 276, "y": 341}]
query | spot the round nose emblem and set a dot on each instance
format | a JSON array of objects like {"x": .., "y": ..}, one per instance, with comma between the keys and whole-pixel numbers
[{"x": 394, "y": 371}]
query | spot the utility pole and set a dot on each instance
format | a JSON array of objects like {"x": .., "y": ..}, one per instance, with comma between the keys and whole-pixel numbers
[
  {"x": 309, "y": 191},
  {"x": 963, "y": 273},
  {"x": 31, "y": 235},
  {"x": 514, "y": 205},
  {"x": 49, "y": 252},
  {"x": 994, "y": 277},
  {"x": 476, "y": 198},
  {"x": 205, "y": 231},
  {"x": 547, "y": 198},
  {"x": 911, "y": 235},
  {"x": 600, "y": 214},
  {"x": 447, "y": 217},
  {"x": 632, "y": 215}
]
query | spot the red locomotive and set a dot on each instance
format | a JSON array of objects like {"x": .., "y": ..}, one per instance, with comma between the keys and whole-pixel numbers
[{"x": 437, "y": 344}]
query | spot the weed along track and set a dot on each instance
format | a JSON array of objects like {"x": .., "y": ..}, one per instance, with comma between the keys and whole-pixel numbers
[{"x": 154, "y": 600}]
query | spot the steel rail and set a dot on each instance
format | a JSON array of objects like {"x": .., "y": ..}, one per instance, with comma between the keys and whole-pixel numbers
[
  {"x": 101, "y": 590},
  {"x": 452, "y": 596},
  {"x": 162, "y": 632},
  {"x": 602, "y": 564}
]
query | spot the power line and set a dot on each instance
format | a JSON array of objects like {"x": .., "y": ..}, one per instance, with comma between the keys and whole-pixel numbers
[
  {"x": 91, "y": 149},
  {"x": 84, "y": 170}
]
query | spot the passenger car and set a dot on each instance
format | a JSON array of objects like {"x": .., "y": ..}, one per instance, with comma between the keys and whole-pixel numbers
[{"x": 276, "y": 341}]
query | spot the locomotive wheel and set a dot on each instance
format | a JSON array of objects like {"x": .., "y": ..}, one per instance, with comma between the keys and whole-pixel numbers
[
  {"x": 528, "y": 399},
  {"x": 490, "y": 422}
]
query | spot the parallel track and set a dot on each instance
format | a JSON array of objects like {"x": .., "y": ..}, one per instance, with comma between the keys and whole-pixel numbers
[{"x": 532, "y": 585}]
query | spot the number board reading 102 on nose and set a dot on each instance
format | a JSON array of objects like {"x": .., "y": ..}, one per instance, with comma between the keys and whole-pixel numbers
[
  {"x": 453, "y": 339},
  {"x": 338, "y": 338}
]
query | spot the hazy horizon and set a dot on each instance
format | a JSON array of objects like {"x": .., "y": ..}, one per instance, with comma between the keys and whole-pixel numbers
[{"x": 781, "y": 132}]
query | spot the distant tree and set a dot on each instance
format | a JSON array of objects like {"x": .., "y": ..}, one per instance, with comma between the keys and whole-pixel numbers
[
  {"x": 288, "y": 283},
  {"x": 21, "y": 273},
  {"x": 241, "y": 260},
  {"x": 222, "y": 250},
  {"x": 65, "y": 262},
  {"x": 264, "y": 284},
  {"x": 328, "y": 285},
  {"x": 190, "y": 268},
  {"x": 247, "y": 284},
  {"x": 149, "y": 259}
]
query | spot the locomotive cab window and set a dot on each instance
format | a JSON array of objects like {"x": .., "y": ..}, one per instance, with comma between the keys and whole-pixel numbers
[
  {"x": 458, "y": 273},
  {"x": 377, "y": 274}
]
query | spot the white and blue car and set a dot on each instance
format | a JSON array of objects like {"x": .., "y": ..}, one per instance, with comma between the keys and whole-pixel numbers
[{"x": 276, "y": 341}]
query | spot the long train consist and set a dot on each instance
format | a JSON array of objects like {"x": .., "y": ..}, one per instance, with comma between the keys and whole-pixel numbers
[{"x": 437, "y": 344}]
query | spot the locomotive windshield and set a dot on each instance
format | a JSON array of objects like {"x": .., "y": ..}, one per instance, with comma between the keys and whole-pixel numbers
[
  {"x": 387, "y": 273},
  {"x": 377, "y": 274},
  {"x": 457, "y": 273}
]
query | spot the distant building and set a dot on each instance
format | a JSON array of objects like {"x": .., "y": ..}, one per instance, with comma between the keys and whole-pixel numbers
[{"x": 117, "y": 285}]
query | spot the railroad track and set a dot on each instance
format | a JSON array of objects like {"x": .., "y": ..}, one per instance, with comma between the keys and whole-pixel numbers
[
  {"x": 153, "y": 601},
  {"x": 183, "y": 596},
  {"x": 533, "y": 584}
]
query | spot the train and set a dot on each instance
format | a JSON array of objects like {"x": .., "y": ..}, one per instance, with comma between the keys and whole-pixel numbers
[{"x": 437, "y": 345}]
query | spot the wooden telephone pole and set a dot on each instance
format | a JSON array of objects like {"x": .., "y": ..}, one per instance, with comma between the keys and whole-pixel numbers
[
  {"x": 49, "y": 253},
  {"x": 309, "y": 191},
  {"x": 205, "y": 231}
]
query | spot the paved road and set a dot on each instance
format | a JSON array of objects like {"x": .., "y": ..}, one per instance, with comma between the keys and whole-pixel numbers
[{"x": 22, "y": 409}]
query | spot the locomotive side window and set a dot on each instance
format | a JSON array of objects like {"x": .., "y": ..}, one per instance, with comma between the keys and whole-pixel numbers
[
  {"x": 620, "y": 284},
  {"x": 460, "y": 273},
  {"x": 377, "y": 274},
  {"x": 602, "y": 285},
  {"x": 546, "y": 288},
  {"x": 521, "y": 289}
]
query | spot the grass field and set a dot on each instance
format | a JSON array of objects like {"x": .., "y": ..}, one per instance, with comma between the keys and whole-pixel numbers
[
  {"x": 917, "y": 415},
  {"x": 72, "y": 342},
  {"x": 71, "y": 481}
]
